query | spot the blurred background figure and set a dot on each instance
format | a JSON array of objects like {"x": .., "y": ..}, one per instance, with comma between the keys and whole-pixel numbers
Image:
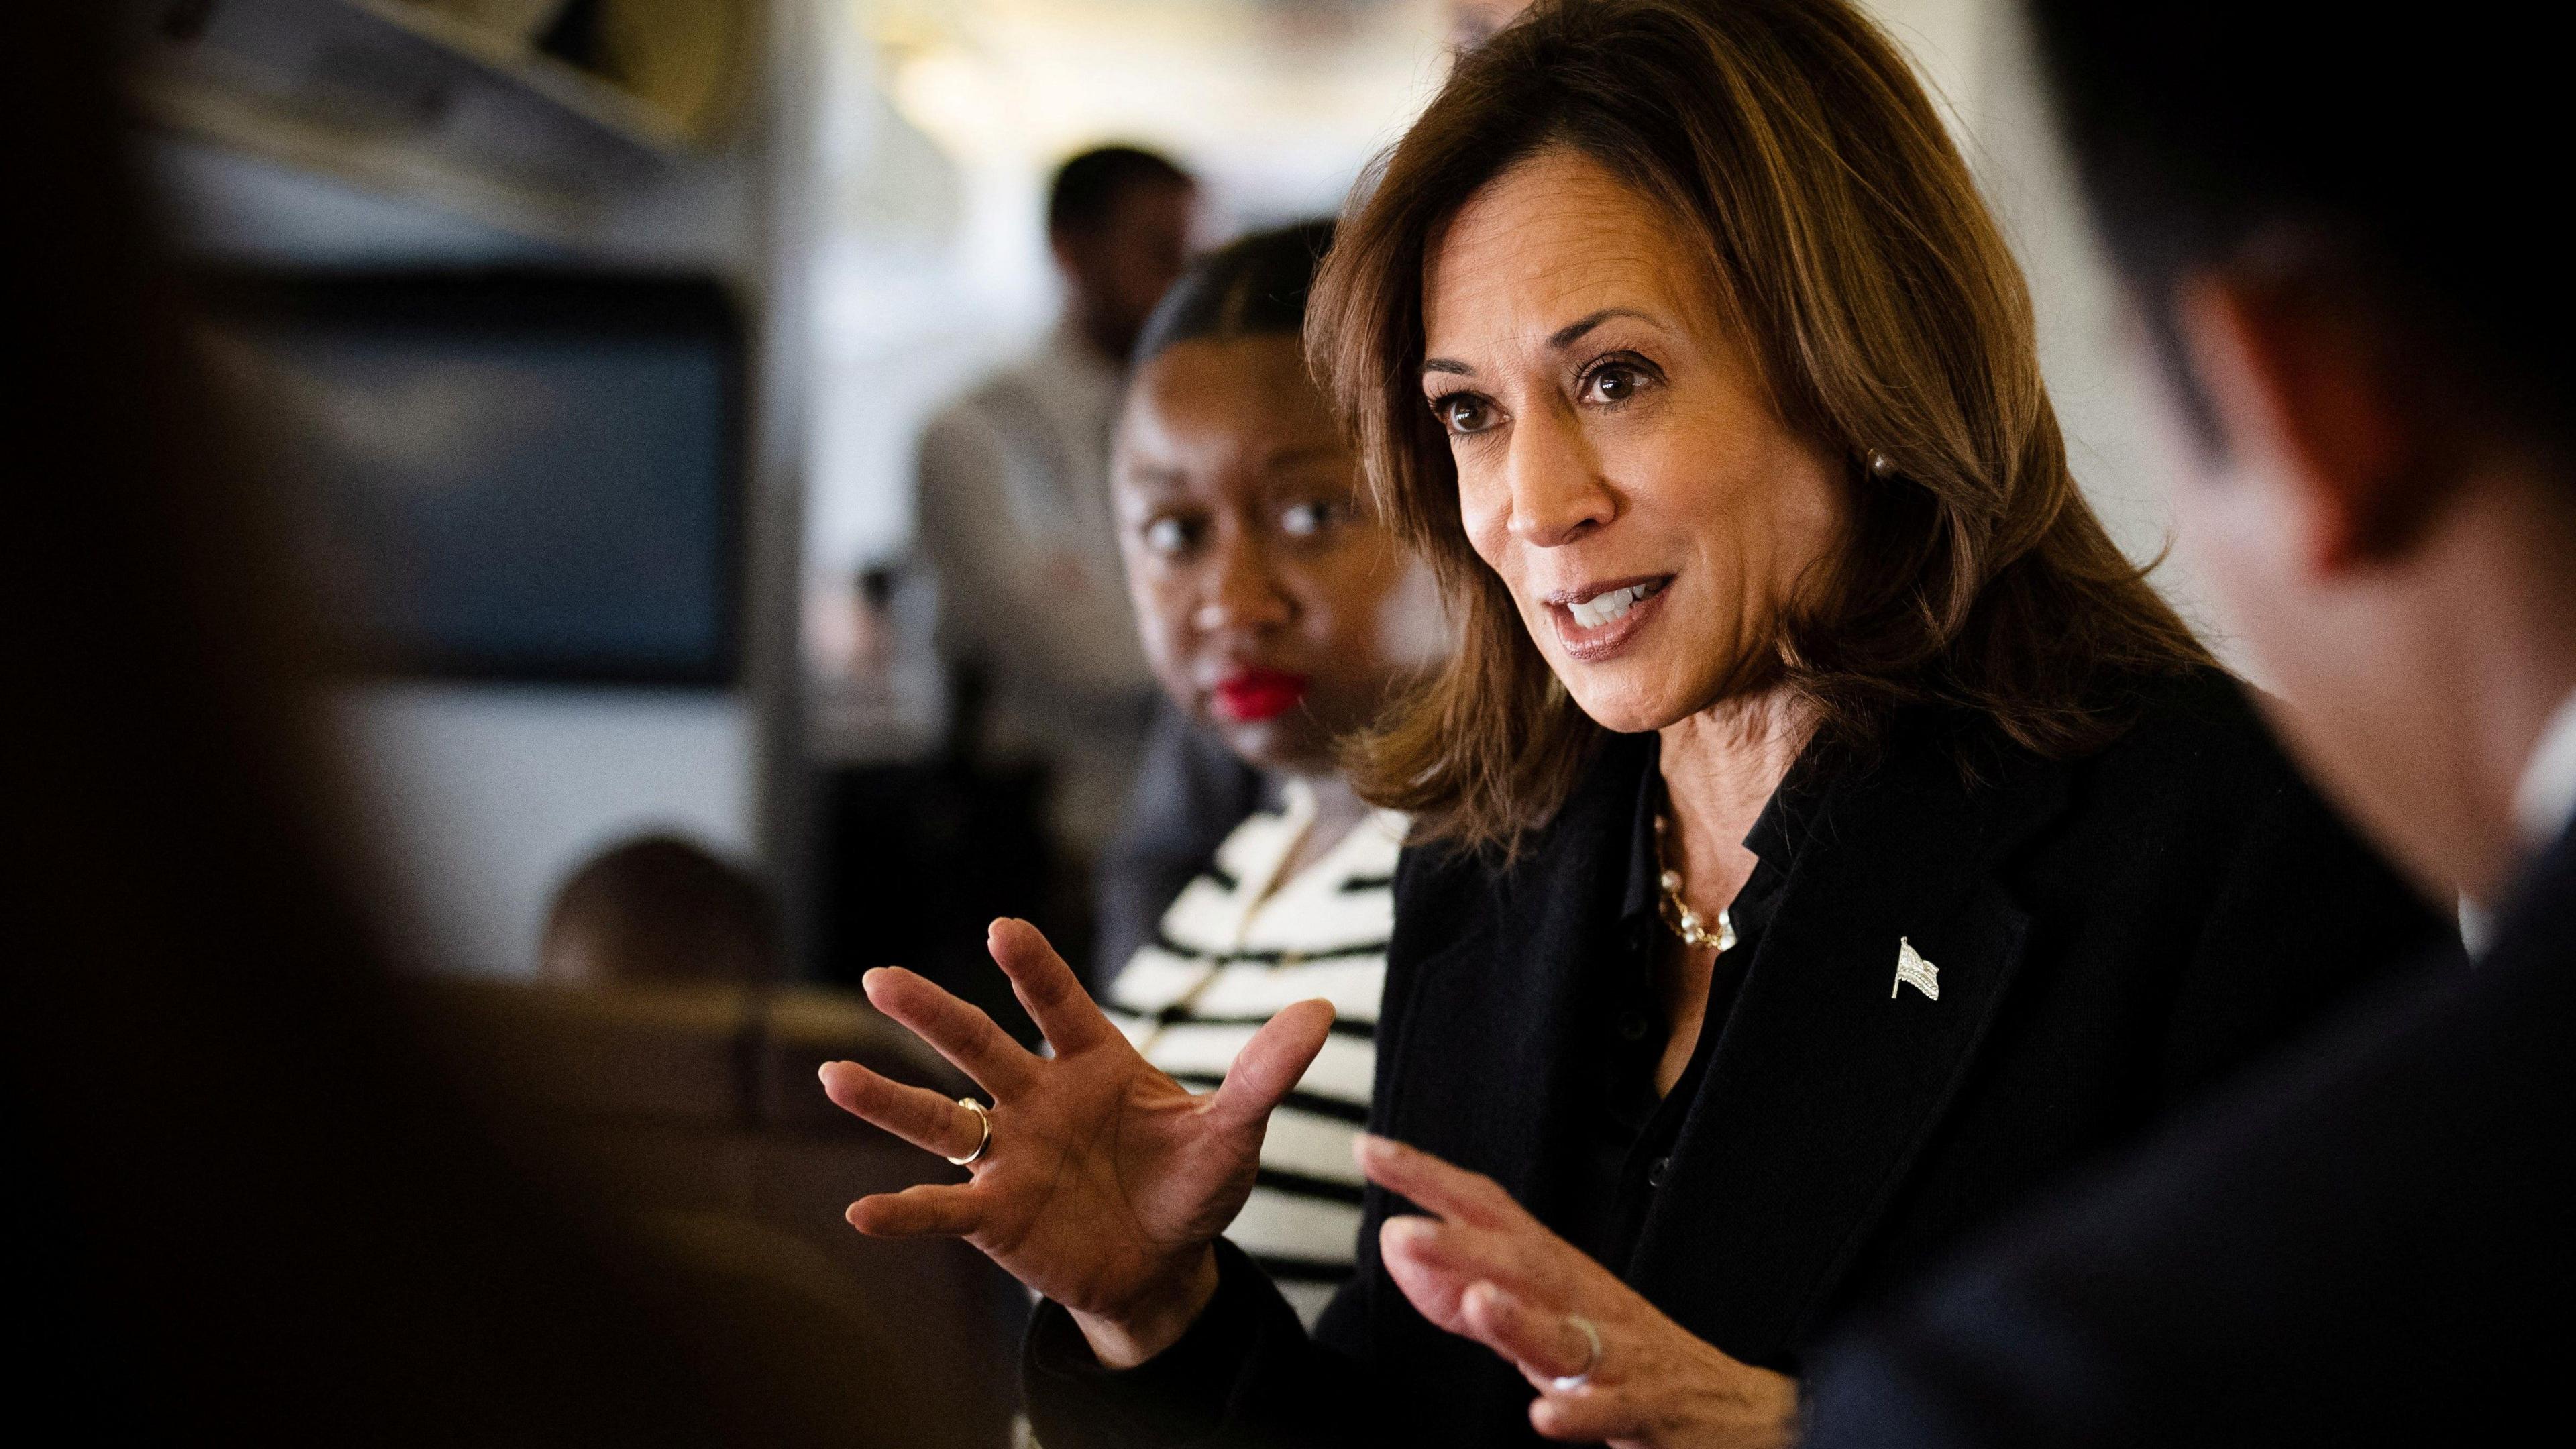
[
  {"x": 660, "y": 909},
  {"x": 1280, "y": 614},
  {"x": 1014, "y": 505},
  {"x": 387, "y": 1238},
  {"x": 1048, "y": 694},
  {"x": 2361, "y": 353}
]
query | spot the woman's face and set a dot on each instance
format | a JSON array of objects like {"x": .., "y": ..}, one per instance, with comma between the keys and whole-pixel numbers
[
  {"x": 1275, "y": 608},
  {"x": 1619, "y": 462}
]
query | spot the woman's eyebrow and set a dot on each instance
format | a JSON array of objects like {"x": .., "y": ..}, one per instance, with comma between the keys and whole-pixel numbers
[
  {"x": 1572, "y": 332},
  {"x": 1559, "y": 340}
]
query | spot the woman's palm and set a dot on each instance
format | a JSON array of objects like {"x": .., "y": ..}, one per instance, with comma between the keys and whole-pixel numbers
[{"x": 1104, "y": 1179}]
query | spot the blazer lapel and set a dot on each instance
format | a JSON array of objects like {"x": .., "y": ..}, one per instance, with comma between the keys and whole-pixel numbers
[
  {"x": 1517, "y": 1026},
  {"x": 1824, "y": 1084},
  {"x": 1480, "y": 1121}
]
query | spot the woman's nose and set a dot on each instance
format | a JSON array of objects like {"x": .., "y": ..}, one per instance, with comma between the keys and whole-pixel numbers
[
  {"x": 1240, "y": 591},
  {"x": 1556, "y": 490}
]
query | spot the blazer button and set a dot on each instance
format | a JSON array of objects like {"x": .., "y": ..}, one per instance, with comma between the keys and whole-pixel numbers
[
  {"x": 1633, "y": 1026},
  {"x": 1658, "y": 1170}
]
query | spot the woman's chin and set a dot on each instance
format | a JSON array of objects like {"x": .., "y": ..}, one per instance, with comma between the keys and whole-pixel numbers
[
  {"x": 1629, "y": 705},
  {"x": 1286, "y": 744}
]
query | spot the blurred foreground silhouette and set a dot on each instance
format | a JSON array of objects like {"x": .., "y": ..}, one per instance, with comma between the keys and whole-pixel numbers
[{"x": 254, "y": 1200}]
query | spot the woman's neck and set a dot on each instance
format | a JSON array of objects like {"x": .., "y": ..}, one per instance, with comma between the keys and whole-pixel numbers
[
  {"x": 1720, "y": 768},
  {"x": 1338, "y": 809}
]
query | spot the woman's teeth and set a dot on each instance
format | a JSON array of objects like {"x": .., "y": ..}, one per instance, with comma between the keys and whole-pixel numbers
[{"x": 1601, "y": 609}]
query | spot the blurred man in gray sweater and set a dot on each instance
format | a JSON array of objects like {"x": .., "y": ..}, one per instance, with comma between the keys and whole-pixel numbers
[{"x": 1014, "y": 502}]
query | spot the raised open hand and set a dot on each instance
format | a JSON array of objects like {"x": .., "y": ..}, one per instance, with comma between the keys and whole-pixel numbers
[
  {"x": 1104, "y": 1182},
  {"x": 1608, "y": 1365}
]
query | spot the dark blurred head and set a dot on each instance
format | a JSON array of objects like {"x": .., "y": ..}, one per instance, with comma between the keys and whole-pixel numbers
[
  {"x": 1119, "y": 221},
  {"x": 2333, "y": 230},
  {"x": 660, "y": 909},
  {"x": 252, "y": 1199},
  {"x": 1271, "y": 598},
  {"x": 194, "y": 992},
  {"x": 2405, "y": 165}
]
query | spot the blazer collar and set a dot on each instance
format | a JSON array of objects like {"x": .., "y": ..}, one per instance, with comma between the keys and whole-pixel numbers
[
  {"x": 1829, "y": 1075},
  {"x": 1564, "y": 915}
]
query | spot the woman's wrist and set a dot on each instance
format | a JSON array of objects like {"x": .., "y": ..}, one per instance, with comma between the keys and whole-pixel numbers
[{"x": 1129, "y": 1338}]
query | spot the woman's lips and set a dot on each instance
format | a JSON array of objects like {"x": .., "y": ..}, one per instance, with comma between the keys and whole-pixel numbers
[
  {"x": 1589, "y": 635},
  {"x": 1249, "y": 696}
]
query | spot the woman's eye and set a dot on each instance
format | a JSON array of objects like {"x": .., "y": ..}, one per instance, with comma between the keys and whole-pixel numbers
[
  {"x": 1305, "y": 520},
  {"x": 1170, "y": 536},
  {"x": 1463, "y": 412},
  {"x": 1614, "y": 383}
]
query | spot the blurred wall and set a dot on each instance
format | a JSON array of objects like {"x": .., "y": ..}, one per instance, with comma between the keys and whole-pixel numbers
[{"x": 487, "y": 797}]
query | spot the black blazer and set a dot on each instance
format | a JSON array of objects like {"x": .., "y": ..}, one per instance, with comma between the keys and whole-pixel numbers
[
  {"x": 2371, "y": 1242},
  {"x": 2113, "y": 935}
]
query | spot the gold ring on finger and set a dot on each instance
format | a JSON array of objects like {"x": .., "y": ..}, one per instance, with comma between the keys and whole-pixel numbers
[{"x": 983, "y": 1121}]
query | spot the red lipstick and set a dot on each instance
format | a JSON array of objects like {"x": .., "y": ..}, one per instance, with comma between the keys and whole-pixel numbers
[{"x": 1249, "y": 696}]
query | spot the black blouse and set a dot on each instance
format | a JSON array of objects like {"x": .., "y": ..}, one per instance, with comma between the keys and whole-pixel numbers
[
  {"x": 2113, "y": 935},
  {"x": 1628, "y": 1145}
]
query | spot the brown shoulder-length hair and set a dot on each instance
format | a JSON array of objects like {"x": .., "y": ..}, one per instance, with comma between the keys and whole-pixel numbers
[{"x": 1862, "y": 273}]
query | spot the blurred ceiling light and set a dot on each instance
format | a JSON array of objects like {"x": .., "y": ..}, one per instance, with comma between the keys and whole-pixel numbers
[
  {"x": 1019, "y": 81},
  {"x": 958, "y": 99}
]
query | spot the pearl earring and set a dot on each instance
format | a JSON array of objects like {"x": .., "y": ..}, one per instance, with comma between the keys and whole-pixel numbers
[{"x": 1881, "y": 465}]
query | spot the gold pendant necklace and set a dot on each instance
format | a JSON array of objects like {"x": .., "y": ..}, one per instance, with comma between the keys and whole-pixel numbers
[{"x": 1676, "y": 912}]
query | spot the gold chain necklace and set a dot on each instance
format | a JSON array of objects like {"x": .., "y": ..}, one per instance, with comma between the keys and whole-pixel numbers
[{"x": 1676, "y": 912}]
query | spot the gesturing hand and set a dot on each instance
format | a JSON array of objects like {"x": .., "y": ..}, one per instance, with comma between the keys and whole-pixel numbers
[
  {"x": 1105, "y": 1181},
  {"x": 1483, "y": 1268}
]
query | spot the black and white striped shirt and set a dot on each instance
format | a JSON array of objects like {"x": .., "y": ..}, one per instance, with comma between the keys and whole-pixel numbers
[{"x": 1237, "y": 945}]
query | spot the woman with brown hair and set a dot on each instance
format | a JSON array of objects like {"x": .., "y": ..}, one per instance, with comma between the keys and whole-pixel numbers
[{"x": 1824, "y": 835}]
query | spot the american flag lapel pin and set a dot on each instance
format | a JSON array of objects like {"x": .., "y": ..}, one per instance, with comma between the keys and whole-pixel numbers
[{"x": 1912, "y": 970}]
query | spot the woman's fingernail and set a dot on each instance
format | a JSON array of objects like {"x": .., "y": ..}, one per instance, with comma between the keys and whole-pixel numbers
[{"x": 1408, "y": 1229}]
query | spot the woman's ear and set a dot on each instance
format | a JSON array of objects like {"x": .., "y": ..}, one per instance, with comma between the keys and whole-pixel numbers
[{"x": 2299, "y": 379}]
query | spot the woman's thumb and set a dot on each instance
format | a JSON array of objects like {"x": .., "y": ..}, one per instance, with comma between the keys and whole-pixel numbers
[{"x": 1271, "y": 1063}]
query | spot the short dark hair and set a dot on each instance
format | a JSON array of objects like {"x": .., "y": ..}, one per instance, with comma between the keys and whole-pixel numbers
[
  {"x": 1088, "y": 188},
  {"x": 1254, "y": 287},
  {"x": 660, "y": 908},
  {"x": 2203, "y": 129}
]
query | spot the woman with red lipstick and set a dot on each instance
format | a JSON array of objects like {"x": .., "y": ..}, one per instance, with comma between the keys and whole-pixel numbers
[
  {"x": 1823, "y": 835},
  {"x": 1276, "y": 613}
]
